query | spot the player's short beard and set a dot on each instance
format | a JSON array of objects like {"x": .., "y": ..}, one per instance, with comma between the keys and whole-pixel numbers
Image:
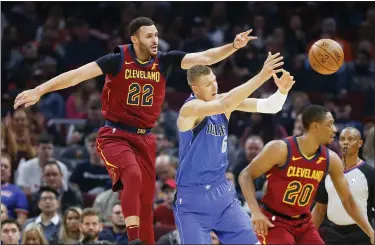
[{"x": 145, "y": 49}]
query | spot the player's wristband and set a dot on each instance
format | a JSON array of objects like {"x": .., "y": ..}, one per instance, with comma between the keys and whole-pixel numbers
[
  {"x": 234, "y": 46},
  {"x": 272, "y": 104}
]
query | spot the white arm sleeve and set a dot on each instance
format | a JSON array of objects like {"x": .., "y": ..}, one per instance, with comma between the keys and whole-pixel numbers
[{"x": 272, "y": 104}]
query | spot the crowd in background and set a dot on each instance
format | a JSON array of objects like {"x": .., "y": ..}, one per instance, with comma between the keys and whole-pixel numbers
[{"x": 52, "y": 179}]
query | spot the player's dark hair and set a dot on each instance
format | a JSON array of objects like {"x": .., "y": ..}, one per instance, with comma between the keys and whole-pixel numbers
[
  {"x": 313, "y": 113},
  {"x": 196, "y": 71},
  {"x": 52, "y": 163},
  {"x": 11, "y": 221},
  {"x": 138, "y": 23}
]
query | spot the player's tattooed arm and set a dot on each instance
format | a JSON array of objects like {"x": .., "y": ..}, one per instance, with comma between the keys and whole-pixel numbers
[
  {"x": 336, "y": 171},
  {"x": 214, "y": 55},
  {"x": 273, "y": 154},
  {"x": 65, "y": 80}
]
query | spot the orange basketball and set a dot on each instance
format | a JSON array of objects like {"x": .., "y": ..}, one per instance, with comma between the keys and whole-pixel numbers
[{"x": 326, "y": 56}]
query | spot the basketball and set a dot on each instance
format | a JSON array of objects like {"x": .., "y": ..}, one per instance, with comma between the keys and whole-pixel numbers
[{"x": 326, "y": 56}]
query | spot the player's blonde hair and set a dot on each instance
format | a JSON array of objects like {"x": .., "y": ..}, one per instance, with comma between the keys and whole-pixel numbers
[{"x": 197, "y": 71}]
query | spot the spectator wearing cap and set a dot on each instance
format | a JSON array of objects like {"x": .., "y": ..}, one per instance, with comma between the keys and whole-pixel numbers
[
  {"x": 49, "y": 218},
  {"x": 30, "y": 173},
  {"x": 11, "y": 195},
  {"x": 163, "y": 214},
  {"x": 53, "y": 178},
  {"x": 117, "y": 233}
]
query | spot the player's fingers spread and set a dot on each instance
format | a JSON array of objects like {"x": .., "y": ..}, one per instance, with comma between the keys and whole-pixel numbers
[
  {"x": 275, "y": 77},
  {"x": 277, "y": 59},
  {"x": 278, "y": 65},
  {"x": 276, "y": 71},
  {"x": 248, "y": 32},
  {"x": 276, "y": 55}
]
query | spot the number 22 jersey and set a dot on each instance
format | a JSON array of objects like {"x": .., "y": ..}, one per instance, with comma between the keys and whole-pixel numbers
[
  {"x": 291, "y": 188},
  {"x": 134, "y": 91}
]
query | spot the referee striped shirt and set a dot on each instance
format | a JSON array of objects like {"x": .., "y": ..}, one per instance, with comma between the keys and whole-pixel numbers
[{"x": 361, "y": 182}]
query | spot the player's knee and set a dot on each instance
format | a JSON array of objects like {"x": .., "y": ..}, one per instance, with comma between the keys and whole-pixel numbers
[{"x": 132, "y": 176}]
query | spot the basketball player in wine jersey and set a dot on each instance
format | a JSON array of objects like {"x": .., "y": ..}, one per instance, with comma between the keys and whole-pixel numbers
[
  {"x": 133, "y": 94},
  {"x": 294, "y": 168}
]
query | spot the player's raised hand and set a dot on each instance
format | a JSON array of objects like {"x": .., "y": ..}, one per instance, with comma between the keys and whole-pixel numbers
[
  {"x": 260, "y": 223},
  {"x": 27, "y": 98},
  {"x": 242, "y": 39},
  {"x": 285, "y": 82},
  {"x": 270, "y": 66}
]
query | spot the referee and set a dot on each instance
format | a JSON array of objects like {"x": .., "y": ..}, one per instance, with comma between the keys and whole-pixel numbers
[{"x": 360, "y": 176}]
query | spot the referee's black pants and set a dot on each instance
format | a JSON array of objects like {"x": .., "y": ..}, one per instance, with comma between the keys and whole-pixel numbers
[{"x": 344, "y": 235}]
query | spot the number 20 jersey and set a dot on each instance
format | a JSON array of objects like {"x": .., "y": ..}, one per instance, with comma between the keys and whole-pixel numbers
[
  {"x": 134, "y": 96},
  {"x": 291, "y": 188}
]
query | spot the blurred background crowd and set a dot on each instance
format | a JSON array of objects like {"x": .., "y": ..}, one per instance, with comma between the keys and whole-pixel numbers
[{"x": 51, "y": 174}]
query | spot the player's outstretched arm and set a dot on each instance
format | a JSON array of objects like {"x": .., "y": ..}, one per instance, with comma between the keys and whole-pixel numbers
[
  {"x": 275, "y": 102},
  {"x": 274, "y": 153},
  {"x": 214, "y": 55},
  {"x": 228, "y": 102},
  {"x": 65, "y": 80},
  {"x": 336, "y": 171}
]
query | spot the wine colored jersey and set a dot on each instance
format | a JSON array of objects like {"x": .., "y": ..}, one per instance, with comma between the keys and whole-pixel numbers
[
  {"x": 291, "y": 188},
  {"x": 134, "y": 92}
]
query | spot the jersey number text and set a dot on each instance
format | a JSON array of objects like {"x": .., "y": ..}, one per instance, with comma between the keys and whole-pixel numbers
[
  {"x": 140, "y": 95},
  {"x": 296, "y": 192}
]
